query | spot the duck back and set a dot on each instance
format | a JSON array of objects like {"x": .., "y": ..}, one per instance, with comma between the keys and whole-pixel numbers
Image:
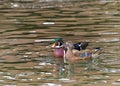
[{"x": 80, "y": 45}]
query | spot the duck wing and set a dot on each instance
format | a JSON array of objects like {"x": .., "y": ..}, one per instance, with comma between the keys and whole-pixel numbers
[{"x": 80, "y": 45}]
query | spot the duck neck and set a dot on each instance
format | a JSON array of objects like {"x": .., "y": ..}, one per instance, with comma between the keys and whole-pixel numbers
[{"x": 69, "y": 52}]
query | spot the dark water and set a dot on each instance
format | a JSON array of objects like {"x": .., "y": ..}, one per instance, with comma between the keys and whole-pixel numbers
[{"x": 25, "y": 60}]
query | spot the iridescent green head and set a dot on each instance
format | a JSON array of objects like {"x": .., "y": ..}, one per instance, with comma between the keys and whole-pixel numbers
[
  {"x": 57, "y": 42},
  {"x": 57, "y": 39}
]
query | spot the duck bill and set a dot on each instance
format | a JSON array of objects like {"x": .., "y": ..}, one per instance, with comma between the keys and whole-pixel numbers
[{"x": 53, "y": 45}]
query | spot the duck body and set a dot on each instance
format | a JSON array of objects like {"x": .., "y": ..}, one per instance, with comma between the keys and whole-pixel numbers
[
  {"x": 86, "y": 54},
  {"x": 71, "y": 57}
]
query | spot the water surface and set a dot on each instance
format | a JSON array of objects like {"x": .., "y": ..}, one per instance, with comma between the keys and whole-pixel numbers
[{"x": 24, "y": 60}]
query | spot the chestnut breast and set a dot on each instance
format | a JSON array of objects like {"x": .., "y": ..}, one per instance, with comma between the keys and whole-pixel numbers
[{"x": 58, "y": 53}]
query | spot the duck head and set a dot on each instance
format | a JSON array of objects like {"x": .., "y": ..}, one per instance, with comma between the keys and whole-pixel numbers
[{"x": 58, "y": 42}]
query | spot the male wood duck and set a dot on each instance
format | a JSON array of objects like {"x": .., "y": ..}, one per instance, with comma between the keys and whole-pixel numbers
[
  {"x": 59, "y": 50},
  {"x": 85, "y": 55}
]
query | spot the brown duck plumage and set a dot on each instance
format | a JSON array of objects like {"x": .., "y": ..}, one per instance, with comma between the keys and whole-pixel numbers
[{"x": 79, "y": 56}]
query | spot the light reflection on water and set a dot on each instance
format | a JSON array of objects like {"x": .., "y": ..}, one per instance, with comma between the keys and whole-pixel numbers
[{"x": 25, "y": 60}]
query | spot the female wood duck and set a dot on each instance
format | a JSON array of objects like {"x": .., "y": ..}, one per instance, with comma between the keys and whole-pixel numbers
[
  {"x": 59, "y": 50},
  {"x": 85, "y": 55}
]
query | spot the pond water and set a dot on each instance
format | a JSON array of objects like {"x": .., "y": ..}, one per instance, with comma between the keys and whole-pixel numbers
[{"x": 25, "y": 56}]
